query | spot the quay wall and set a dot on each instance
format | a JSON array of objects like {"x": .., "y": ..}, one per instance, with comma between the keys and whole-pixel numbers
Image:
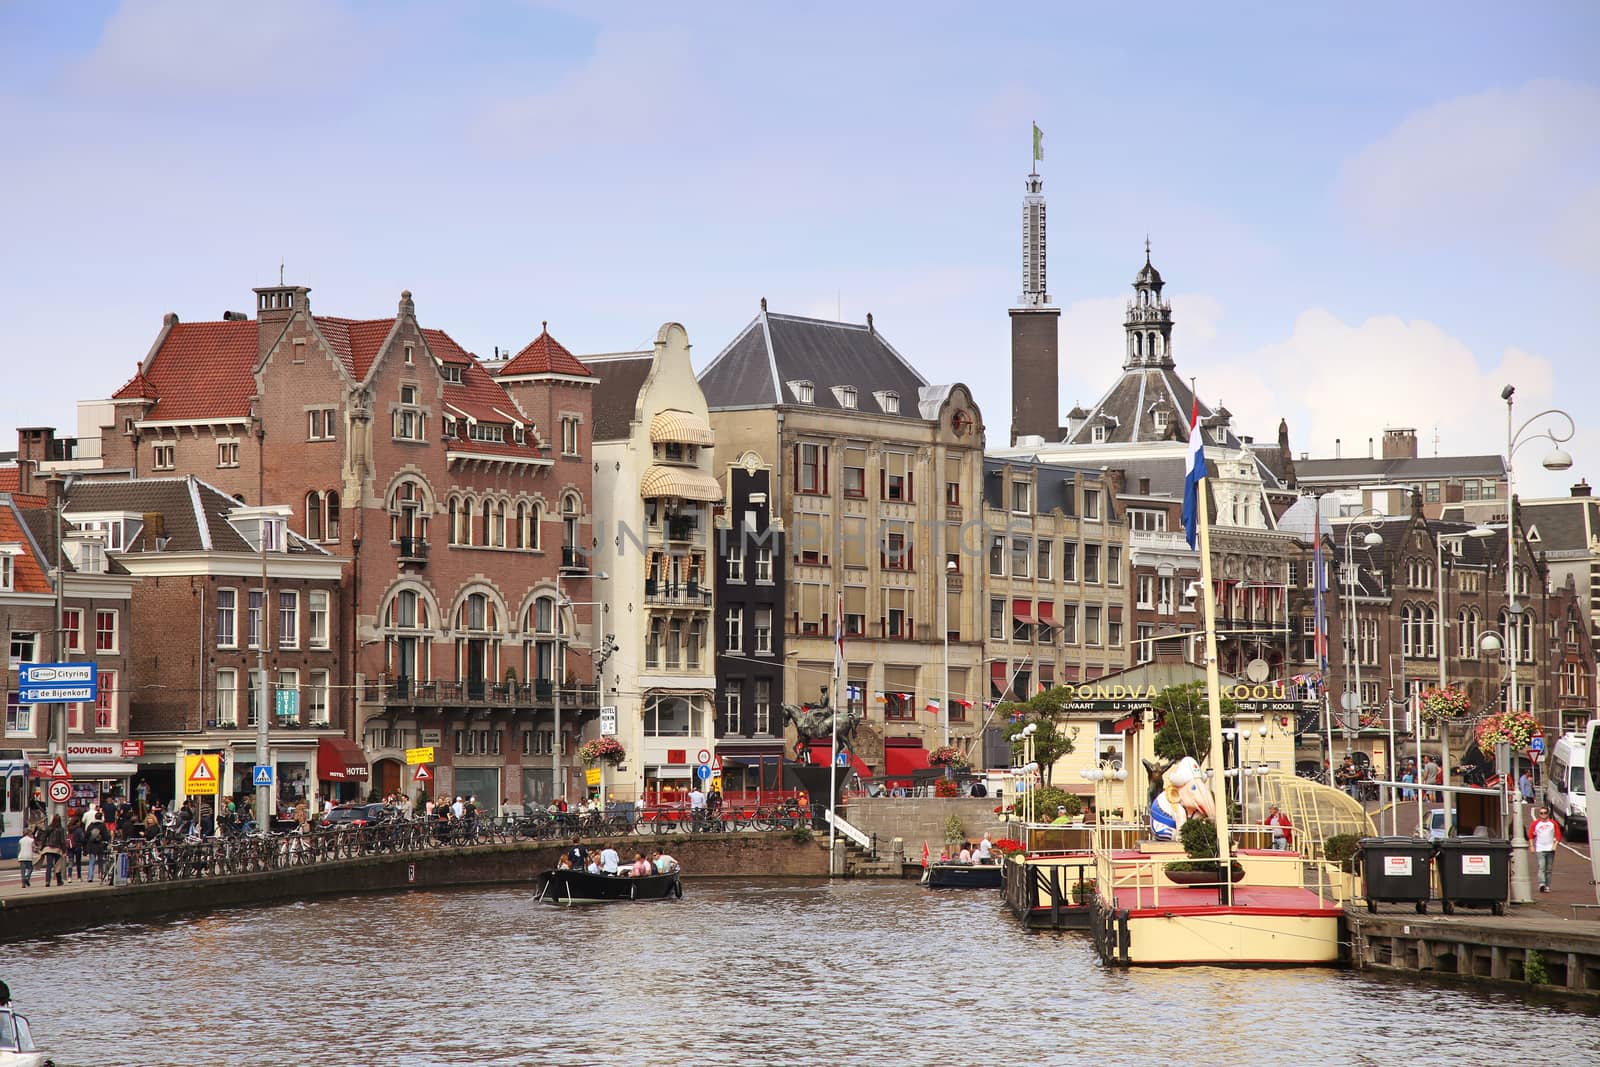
[
  {"x": 1479, "y": 949},
  {"x": 724, "y": 855},
  {"x": 919, "y": 819}
]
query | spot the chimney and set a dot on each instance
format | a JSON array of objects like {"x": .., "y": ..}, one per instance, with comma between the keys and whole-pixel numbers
[
  {"x": 54, "y": 485},
  {"x": 1338, "y": 449},
  {"x": 1400, "y": 443},
  {"x": 1582, "y": 488},
  {"x": 155, "y": 530},
  {"x": 1369, "y": 448},
  {"x": 274, "y": 306}
]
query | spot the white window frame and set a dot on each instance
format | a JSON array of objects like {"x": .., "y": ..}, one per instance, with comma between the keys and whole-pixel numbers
[
  {"x": 227, "y": 454},
  {"x": 318, "y": 608},
  {"x": 163, "y": 457},
  {"x": 116, "y": 631},
  {"x": 288, "y": 611},
  {"x": 316, "y": 691},
  {"x": 227, "y": 715}
]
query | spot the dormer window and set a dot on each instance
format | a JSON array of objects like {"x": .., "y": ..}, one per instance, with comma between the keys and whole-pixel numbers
[
  {"x": 8, "y": 567},
  {"x": 1163, "y": 418},
  {"x": 492, "y": 432},
  {"x": 804, "y": 392},
  {"x": 889, "y": 401},
  {"x": 518, "y": 435},
  {"x": 846, "y": 395},
  {"x": 1097, "y": 433},
  {"x": 451, "y": 372},
  {"x": 449, "y": 426},
  {"x": 271, "y": 535}
]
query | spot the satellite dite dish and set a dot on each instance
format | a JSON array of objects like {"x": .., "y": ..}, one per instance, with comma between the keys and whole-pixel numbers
[{"x": 1257, "y": 670}]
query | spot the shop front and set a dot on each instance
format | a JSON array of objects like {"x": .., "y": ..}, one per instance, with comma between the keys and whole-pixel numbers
[
  {"x": 342, "y": 771},
  {"x": 482, "y": 783},
  {"x": 102, "y": 771}
]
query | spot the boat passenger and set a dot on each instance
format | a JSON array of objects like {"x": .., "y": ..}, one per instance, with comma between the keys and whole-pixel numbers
[
  {"x": 965, "y": 856},
  {"x": 577, "y": 855},
  {"x": 1062, "y": 818},
  {"x": 1282, "y": 829},
  {"x": 641, "y": 867},
  {"x": 563, "y": 864},
  {"x": 609, "y": 860},
  {"x": 665, "y": 864},
  {"x": 981, "y": 854},
  {"x": 594, "y": 865}
]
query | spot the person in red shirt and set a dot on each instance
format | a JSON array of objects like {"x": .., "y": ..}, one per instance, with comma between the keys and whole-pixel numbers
[
  {"x": 1544, "y": 835},
  {"x": 1282, "y": 828}
]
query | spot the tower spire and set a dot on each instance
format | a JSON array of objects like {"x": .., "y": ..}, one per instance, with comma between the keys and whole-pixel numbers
[{"x": 1149, "y": 321}]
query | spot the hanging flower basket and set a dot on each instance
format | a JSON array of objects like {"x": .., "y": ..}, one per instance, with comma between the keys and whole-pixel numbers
[
  {"x": 602, "y": 749},
  {"x": 1444, "y": 705},
  {"x": 1517, "y": 727},
  {"x": 949, "y": 756}
]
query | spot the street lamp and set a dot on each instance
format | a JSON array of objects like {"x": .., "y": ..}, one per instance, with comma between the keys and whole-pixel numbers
[
  {"x": 1441, "y": 631},
  {"x": 1024, "y": 737},
  {"x": 563, "y": 603},
  {"x": 944, "y": 613},
  {"x": 1557, "y": 459},
  {"x": 1352, "y": 700}
]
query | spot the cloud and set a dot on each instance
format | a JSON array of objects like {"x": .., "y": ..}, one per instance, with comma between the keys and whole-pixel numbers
[
  {"x": 1505, "y": 167},
  {"x": 286, "y": 49},
  {"x": 1334, "y": 380},
  {"x": 1092, "y": 342}
]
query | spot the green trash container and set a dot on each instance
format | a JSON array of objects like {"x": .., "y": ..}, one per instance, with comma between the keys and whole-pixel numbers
[
  {"x": 1474, "y": 872},
  {"x": 1395, "y": 870}
]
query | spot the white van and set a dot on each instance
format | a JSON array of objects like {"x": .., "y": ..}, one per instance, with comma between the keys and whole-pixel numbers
[{"x": 1565, "y": 786}]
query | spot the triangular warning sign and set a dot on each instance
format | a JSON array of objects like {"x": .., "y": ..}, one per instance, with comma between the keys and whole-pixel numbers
[
  {"x": 201, "y": 772},
  {"x": 423, "y": 774}
]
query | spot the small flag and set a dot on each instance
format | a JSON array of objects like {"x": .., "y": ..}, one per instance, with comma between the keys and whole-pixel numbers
[
  {"x": 883, "y": 698},
  {"x": 925, "y": 856},
  {"x": 1038, "y": 143},
  {"x": 852, "y": 692},
  {"x": 1191, "y": 483},
  {"x": 966, "y": 705},
  {"x": 932, "y": 705}
]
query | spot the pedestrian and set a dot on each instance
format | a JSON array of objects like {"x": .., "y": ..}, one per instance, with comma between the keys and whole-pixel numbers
[
  {"x": 1544, "y": 834},
  {"x": 1282, "y": 829},
  {"x": 75, "y": 850},
  {"x": 27, "y": 850},
  {"x": 1350, "y": 778},
  {"x": 95, "y": 842},
  {"x": 459, "y": 808},
  {"x": 1432, "y": 775},
  {"x": 55, "y": 851},
  {"x": 1525, "y": 785}
]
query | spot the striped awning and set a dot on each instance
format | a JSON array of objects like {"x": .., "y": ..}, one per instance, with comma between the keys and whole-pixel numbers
[
  {"x": 682, "y": 428},
  {"x": 684, "y": 482}
]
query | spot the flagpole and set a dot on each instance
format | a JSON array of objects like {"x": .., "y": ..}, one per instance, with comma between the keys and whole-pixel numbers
[{"x": 833, "y": 753}]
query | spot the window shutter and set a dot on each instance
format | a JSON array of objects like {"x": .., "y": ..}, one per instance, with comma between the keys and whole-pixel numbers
[{"x": 822, "y": 473}]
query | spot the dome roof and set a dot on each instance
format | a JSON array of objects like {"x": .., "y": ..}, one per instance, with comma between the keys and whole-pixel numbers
[{"x": 1148, "y": 276}]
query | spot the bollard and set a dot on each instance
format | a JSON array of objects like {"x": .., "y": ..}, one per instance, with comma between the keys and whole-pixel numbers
[{"x": 897, "y": 849}]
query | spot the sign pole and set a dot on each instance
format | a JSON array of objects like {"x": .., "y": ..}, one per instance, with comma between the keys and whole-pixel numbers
[{"x": 58, "y": 710}]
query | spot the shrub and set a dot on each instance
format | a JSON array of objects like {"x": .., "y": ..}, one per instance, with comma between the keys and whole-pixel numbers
[
  {"x": 1342, "y": 849},
  {"x": 953, "y": 829},
  {"x": 1533, "y": 969},
  {"x": 1047, "y": 799}
]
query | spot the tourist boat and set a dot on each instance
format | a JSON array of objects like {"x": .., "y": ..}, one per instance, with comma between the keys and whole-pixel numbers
[
  {"x": 16, "y": 1041},
  {"x": 963, "y": 876},
  {"x": 581, "y": 887}
]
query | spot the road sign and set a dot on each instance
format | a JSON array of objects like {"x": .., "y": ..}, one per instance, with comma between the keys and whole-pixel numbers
[
  {"x": 60, "y": 791},
  {"x": 52, "y": 768},
  {"x": 1536, "y": 743},
  {"x": 48, "y": 683},
  {"x": 423, "y": 774},
  {"x": 415, "y": 756},
  {"x": 716, "y": 763},
  {"x": 591, "y": 776},
  {"x": 608, "y": 720},
  {"x": 200, "y": 775},
  {"x": 261, "y": 774},
  {"x": 703, "y": 771},
  {"x": 842, "y": 759},
  {"x": 703, "y": 756},
  {"x": 716, "y": 783}
]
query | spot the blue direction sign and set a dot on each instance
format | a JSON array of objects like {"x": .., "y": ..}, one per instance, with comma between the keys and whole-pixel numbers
[
  {"x": 261, "y": 774},
  {"x": 49, "y": 683},
  {"x": 1536, "y": 743},
  {"x": 703, "y": 771}
]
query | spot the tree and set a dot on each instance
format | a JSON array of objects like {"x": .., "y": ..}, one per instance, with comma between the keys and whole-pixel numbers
[
  {"x": 1187, "y": 730},
  {"x": 1051, "y": 740}
]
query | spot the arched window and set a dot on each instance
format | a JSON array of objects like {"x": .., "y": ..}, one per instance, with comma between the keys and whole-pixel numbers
[
  {"x": 408, "y": 611},
  {"x": 1525, "y": 627},
  {"x": 542, "y": 616},
  {"x": 466, "y": 523},
  {"x": 519, "y": 532},
  {"x": 1468, "y": 622},
  {"x": 330, "y": 505},
  {"x": 569, "y": 530},
  {"x": 313, "y": 516},
  {"x": 1431, "y": 632},
  {"x": 454, "y": 518},
  {"x": 478, "y": 612},
  {"x": 407, "y": 512},
  {"x": 535, "y": 530},
  {"x": 500, "y": 524}
]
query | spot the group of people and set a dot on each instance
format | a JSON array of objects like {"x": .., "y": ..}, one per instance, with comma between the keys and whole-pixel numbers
[
  {"x": 969, "y": 853},
  {"x": 62, "y": 848},
  {"x": 608, "y": 861}
]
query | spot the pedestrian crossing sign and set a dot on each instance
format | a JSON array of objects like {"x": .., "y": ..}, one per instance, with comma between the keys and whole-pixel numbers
[
  {"x": 201, "y": 774},
  {"x": 261, "y": 775}
]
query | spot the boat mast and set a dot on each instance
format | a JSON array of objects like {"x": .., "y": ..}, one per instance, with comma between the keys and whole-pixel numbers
[{"x": 1219, "y": 785}]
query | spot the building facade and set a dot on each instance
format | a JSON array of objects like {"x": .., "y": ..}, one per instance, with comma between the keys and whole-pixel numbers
[{"x": 880, "y": 490}]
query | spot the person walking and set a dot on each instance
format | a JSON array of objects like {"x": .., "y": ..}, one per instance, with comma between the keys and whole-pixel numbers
[
  {"x": 55, "y": 851},
  {"x": 1525, "y": 785},
  {"x": 75, "y": 850},
  {"x": 27, "y": 851},
  {"x": 1282, "y": 828},
  {"x": 95, "y": 841},
  {"x": 1544, "y": 835}
]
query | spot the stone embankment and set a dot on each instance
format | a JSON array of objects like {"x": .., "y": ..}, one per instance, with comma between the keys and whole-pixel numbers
[{"x": 37, "y": 912}]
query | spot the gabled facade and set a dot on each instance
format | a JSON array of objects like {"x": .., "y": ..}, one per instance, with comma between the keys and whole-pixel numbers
[{"x": 880, "y": 482}]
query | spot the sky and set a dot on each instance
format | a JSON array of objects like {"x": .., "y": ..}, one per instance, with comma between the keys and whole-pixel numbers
[{"x": 1367, "y": 215}]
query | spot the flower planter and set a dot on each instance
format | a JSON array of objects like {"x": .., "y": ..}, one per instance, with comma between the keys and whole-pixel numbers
[{"x": 1204, "y": 877}]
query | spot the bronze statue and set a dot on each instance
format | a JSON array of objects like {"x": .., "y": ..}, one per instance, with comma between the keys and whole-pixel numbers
[{"x": 815, "y": 722}]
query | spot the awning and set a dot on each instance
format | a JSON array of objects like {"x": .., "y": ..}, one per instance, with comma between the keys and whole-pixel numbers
[
  {"x": 822, "y": 755},
  {"x": 340, "y": 759},
  {"x": 1022, "y": 611},
  {"x": 999, "y": 672},
  {"x": 680, "y": 427},
  {"x": 904, "y": 759},
  {"x": 1047, "y": 612},
  {"x": 684, "y": 482}
]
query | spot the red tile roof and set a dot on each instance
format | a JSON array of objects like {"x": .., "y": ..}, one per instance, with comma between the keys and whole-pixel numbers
[
  {"x": 28, "y": 575},
  {"x": 137, "y": 388},
  {"x": 10, "y": 478},
  {"x": 204, "y": 370},
  {"x": 545, "y": 355},
  {"x": 355, "y": 341},
  {"x": 481, "y": 397},
  {"x": 445, "y": 349}
]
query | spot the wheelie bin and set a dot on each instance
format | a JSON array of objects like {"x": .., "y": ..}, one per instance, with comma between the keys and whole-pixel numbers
[
  {"x": 1474, "y": 872},
  {"x": 1395, "y": 870}
]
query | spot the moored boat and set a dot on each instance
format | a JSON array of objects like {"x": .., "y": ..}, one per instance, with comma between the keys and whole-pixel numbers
[
  {"x": 580, "y": 887},
  {"x": 16, "y": 1041},
  {"x": 963, "y": 876}
]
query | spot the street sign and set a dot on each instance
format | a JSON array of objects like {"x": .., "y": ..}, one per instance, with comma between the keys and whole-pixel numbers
[
  {"x": 200, "y": 775},
  {"x": 716, "y": 783},
  {"x": 261, "y": 774},
  {"x": 842, "y": 759},
  {"x": 415, "y": 756},
  {"x": 287, "y": 703},
  {"x": 703, "y": 756},
  {"x": 60, "y": 791},
  {"x": 1535, "y": 744},
  {"x": 716, "y": 763},
  {"x": 425, "y": 775},
  {"x": 52, "y": 768},
  {"x": 608, "y": 720},
  {"x": 703, "y": 771},
  {"x": 49, "y": 683}
]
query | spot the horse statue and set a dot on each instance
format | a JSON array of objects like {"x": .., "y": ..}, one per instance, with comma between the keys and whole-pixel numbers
[
  {"x": 815, "y": 722},
  {"x": 1181, "y": 794}
]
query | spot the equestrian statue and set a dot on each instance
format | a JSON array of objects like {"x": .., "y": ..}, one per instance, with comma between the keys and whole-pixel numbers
[{"x": 815, "y": 722}]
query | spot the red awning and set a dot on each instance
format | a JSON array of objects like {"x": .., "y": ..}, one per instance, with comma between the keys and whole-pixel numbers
[
  {"x": 1022, "y": 611},
  {"x": 340, "y": 759},
  {"x": 999, "y": 672},
  {"x": 822, "y": 755},
  {"x": 903, "y": 759},
  {"x": 1047, "y": 612}
]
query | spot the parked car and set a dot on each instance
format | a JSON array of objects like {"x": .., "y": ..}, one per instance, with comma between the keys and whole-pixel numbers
[{"x": 353, "y": 815}]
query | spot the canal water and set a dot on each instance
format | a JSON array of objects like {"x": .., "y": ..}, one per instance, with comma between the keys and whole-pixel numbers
[{"x": 737, "y": 972}]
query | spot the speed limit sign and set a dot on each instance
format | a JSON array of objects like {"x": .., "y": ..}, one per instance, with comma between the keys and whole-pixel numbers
[{"x": 60, "y": 791}]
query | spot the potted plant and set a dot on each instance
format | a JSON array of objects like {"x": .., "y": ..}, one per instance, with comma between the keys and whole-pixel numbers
[
  {"x": 1199, "y": 836},
  {"x": 1516, "y": 726},
  {"x": 949, "y": 756},
  {"x": 946, "y": 787},
  {"x": 1006, "y": 847},
  {"x": 602, "y": 749}
]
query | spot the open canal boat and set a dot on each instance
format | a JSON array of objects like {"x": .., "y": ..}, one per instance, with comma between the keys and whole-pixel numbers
[
  {"x": 963, "y": 876},
  {"x": 581, "y": 887}
]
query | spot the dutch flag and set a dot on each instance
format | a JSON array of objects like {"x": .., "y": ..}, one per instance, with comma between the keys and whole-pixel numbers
[{"x": 1191, "y": 482}]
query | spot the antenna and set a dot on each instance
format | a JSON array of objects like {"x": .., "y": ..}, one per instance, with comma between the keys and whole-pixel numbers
[
  {"x": 280, "y": 270},
  {"x": 1436, "y": 439}
]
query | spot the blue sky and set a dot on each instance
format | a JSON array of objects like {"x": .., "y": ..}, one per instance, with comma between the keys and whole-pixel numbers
[{"x": 1367, "y": 215}]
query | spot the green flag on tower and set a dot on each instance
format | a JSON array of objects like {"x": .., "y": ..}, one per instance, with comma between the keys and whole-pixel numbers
[{"x": 1038, "y": 143}]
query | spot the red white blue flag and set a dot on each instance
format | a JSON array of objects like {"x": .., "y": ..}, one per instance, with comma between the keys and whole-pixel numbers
[{"x": 1191, "y": 482}]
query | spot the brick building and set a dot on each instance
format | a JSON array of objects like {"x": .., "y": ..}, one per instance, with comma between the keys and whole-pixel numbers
[{"x": 455, "y": 494}]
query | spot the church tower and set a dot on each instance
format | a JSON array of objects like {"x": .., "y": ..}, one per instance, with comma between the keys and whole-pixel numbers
[
  {"x": 1149, "y": 321},
  {"x": 1035, "y": 328}
]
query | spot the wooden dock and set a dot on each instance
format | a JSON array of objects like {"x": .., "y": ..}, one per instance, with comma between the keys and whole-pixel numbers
[{"x": 1479, "y": 947}]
